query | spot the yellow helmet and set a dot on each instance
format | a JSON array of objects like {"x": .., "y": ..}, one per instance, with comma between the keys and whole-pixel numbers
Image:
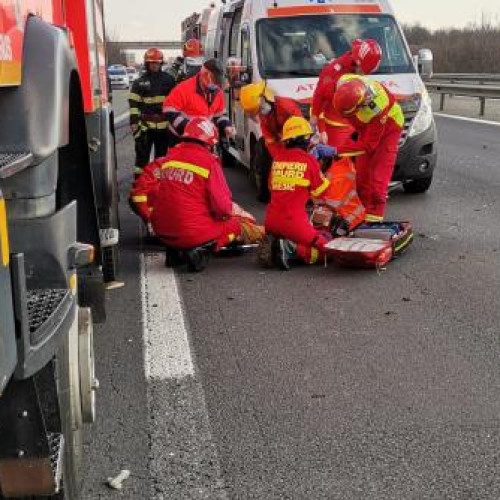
[
  {"x": 296, "y": 126},
  {"x": 251, "y": 95}
]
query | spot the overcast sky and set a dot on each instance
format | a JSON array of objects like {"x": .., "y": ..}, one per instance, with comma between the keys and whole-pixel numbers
[{"x": 161, "y": 19}]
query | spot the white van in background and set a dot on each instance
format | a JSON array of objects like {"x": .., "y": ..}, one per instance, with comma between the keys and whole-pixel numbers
[{"x": 288, "y": 42}]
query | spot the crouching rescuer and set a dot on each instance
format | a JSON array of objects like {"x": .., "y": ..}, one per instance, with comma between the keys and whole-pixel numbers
[
  {"x": 192, "y": 205},
  {"x": 259, "y": 103},
  {"x": 295, "y": 177}
]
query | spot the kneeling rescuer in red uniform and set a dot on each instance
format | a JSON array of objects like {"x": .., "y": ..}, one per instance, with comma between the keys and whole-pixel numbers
[{"x": 193, "y": 204}]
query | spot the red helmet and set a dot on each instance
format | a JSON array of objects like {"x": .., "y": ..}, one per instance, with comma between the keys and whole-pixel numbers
[
  {"x": 201, "y": 130},
  {"x": 367, "y": 54},
  {"x": 153, "y": 55},
  {"x": 193, "y": 48},
  {"x": 349, "y": 96}
]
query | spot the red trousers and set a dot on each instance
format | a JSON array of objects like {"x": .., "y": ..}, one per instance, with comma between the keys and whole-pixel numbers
[
  {"x": 310, "y": 242},
  {"x": 222, "y": 232},
  {"x": 374, "y": 172}
]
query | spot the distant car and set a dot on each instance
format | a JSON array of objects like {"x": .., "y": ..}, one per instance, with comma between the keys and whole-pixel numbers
[
  {"x": 118, "y": 77},
  {"x": 133, "y": 74}
]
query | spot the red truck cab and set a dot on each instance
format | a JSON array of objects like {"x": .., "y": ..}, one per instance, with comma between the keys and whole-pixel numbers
[{"x": 58, "y": 206}]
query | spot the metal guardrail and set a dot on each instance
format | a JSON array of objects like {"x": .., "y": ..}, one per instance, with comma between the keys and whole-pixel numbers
[
  {"x": 483, "y": 86},
  {"x": 485, "y": 78}
]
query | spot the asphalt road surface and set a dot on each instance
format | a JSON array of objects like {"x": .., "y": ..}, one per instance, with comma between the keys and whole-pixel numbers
[{"x": 244, "y": 383}]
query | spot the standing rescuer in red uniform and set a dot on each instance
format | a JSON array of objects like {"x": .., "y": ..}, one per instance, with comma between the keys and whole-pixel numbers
[
  {"x": 192, "y": 204},
  {"x": 259, "y": 102},
  {"x": 377, "y": 117},
  {"x": 199, "y": 96},
  {"x": 364, "y": 57},
  {"x": 295, "y": 178}
]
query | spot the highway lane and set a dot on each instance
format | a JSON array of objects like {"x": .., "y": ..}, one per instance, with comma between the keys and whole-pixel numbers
[{"x": 320, "y": 383}]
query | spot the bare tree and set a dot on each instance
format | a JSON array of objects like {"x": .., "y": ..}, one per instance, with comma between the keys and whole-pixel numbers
[{"x": 473, "y": 49}]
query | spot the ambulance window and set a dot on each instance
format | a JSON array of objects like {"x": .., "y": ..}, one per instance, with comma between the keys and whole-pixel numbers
[
  {"x": 235, "y": 31},
  {"x": 246, "y": 48}
]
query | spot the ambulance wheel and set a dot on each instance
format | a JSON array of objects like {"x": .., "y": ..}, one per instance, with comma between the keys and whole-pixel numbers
[{"x": 418, "y": 186}]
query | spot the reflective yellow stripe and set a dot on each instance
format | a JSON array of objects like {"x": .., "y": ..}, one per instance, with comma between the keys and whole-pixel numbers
[
  {"x": 73, "y": 283},
  {"x": 396, "y": 113},
  {"x": 322, "y": 188},
  {"x": 314, "y": 256},
  {"x": 142, "y": 198},
  {"x": 134, "y": 97},
  {"x": 154, "y": 100},
  {"x": 204, "y": 172},
  {"x": 404, "y": 242},
  {"x": 4, "y": 235},
  {"x": 138, "y": 170},
  {"x": 291, "y": 181},
  {"x": 373, "y": 218},
  {"x": 135, "y": 111},
  {"x": 157, "y": 126},
  {"x": 351, "y": 154},
  {"x": 333, "y": 123}
]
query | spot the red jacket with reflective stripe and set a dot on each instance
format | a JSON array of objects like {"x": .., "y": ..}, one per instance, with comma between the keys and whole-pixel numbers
[
  {"x": 191, "y": 197},
  {"x": 143, "y": 186},
  {"x": 272, "y": 124},
  {"x": 187, "y": 99},
  {"x": 370, "y": 134},
  {"x": 295, "y": 177},
  {"x": 325, "y": 90}
]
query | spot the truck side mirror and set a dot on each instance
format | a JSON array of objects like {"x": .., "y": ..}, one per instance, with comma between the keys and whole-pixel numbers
[{"x": 425, "y": 63}]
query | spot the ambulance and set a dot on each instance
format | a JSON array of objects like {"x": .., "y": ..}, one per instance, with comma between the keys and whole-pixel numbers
[{"x": 288, "y": 42}]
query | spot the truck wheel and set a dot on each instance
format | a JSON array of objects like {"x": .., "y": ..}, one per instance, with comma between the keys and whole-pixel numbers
[
  {"x": 418, "y": 186},
  {"x": 69, "y": 396}
]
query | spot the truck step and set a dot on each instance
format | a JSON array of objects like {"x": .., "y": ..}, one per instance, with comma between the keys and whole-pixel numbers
[
  {"x": 12, "y": 163},
  {"x": 39, "y": 475},
  {"x": 43, "y": 307}
]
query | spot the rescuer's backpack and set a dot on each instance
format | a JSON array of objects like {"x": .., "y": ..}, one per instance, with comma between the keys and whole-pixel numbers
[
  {"x": 400, "y": 234},
  {"x": 371, "y": 245},
  {"x": 359, "y": 252}
]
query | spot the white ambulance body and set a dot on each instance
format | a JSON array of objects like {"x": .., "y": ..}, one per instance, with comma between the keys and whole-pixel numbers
[{"x": 288, "y": 42}]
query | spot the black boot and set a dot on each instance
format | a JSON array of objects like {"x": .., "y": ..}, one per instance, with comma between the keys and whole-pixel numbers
[
  {"x": 197, "y": 259},
  {"x": 173, "y": 258}
]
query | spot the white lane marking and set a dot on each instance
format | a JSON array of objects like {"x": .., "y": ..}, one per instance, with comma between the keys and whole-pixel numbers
[
  {"x": 167, "y": 351},
  {"x": 183, "y": 459},
  {"x": 465, "y": 119}
]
